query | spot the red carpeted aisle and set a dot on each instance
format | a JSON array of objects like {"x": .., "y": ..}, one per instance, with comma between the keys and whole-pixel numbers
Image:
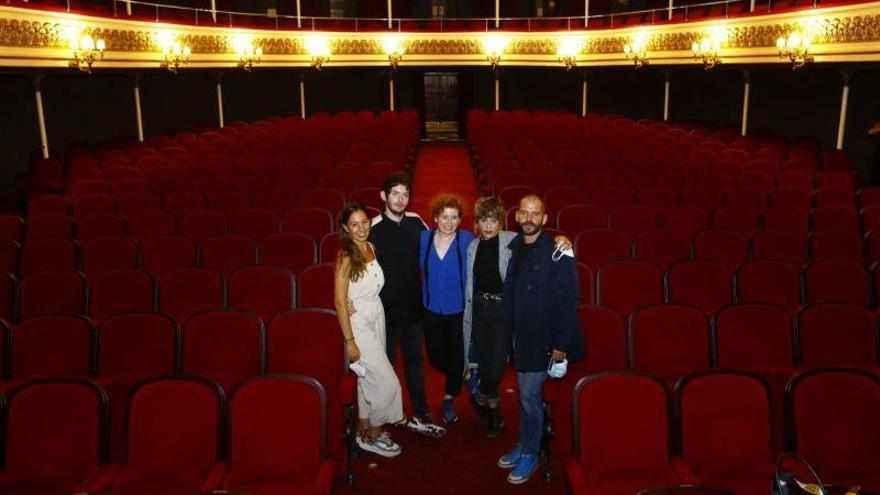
[{"x": 464, "y": 461}]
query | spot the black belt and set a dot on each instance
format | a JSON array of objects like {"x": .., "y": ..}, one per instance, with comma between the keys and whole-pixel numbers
[{"x": 490, "y": 296}]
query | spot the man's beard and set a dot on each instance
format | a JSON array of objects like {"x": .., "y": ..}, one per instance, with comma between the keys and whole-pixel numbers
[
  {"x": 530, "y": 228},
  {"x": 395, "y": 211}
]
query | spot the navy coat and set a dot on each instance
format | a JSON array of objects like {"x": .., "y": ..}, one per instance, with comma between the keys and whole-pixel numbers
[{"x": 542, "y": 305}]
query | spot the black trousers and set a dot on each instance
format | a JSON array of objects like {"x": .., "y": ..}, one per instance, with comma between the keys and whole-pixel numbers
[
  {"x": 404, "y": 324},
  {"x": 444, "y": 337},
  {"x": 489, "y": 334}
]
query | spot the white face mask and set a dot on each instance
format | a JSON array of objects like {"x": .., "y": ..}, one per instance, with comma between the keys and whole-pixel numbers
[{"x": 558, "y": 369}]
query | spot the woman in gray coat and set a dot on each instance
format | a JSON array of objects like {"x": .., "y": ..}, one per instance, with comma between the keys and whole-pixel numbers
[{"x": 484, "y": 320}]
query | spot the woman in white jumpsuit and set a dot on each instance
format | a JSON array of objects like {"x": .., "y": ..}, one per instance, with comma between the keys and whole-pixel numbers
[{"x": 358, "y": 280}]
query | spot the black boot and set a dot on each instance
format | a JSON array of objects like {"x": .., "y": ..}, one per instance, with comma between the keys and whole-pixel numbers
[
  {"x": 481, "y": 409},
  {"x": 496, "y": 422}
]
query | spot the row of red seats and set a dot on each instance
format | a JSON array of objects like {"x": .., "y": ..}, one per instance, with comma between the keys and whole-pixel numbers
[
  {"x": 722, "y": 431},
  {"x": 664, "y": 247},
  {"x": 184, "y": 436},
  {"x": 228, "y": 347},
  {"x": 181, "y": 292}
]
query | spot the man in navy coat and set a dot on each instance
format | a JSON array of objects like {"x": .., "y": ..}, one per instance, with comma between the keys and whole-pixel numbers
[{"x": 541, "y": 293}]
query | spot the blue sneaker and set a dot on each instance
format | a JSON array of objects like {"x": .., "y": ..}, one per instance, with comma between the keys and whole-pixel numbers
[
  {"x": 510, "y": 459},
  {"x": 527, "y": 465},
  {"x": 449, "y": 414}
]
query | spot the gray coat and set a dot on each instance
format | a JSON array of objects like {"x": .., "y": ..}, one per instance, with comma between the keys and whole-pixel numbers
[{"x": 504, "y": 254}]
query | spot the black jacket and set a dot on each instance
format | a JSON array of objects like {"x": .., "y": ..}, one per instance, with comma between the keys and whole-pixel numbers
[
  {"x": 542, "y": 305},
  {"x": 397, "y": 251}
]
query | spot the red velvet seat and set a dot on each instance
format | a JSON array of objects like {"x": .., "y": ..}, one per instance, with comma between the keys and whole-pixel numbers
[
  {"x": 620, "y": 449},
  {"x": 328, "y": 248},
  {"x": 837, "y": 334},
  {"x": 780, "y": 245},
  {"x": 50, "y": 226},
  {"x": 574, "y": 219},
  {"x": 837, "y": 245},
  {"x": 314, "y": 222},
  {"x": 55, "y": 439},
  {"x": 669, "y": 341},
  {"x": 835, "y": 218},
  {"x": 792, "y": 197},
  {"x": 223, "y": 345},
  {"x": 689, "y": 220},
  {"x": 51, "y": 203},
  {"x": 725, "y": 431},
  {"x": 121, "y": 291},
  {"x": 724, "y": 246},
  {"x": 182, "y": 203},
  {"x": 308, "y": 341},
  {"x": 662, "y": 247},
  {"x": 843, "y": 443},
  {"x": 52, "y": 346},
  {"x": 174, "y": 443},
  {"x": 136, "y": 204},
  {"x": 230, "y": 203},
  {"x": 834, "y": 196},
  {"x": 786, "y": 218},
  {"x": 837, "y": 281},
  {"x": 331, "y": 200},
  {"x": 772, "y": 282},
  {"x": 167, "y": 253},
  {"x": 702, "y": 284},
  {"x": 703, "y": 196},
  {"x": 150, "y": 225},
  {"x": 629, "y": 285},
  {"x": 185, "y": 291},
  {"x": 10, "y": 257},
  {"x": 92, "y": 204},
  {"x": 745, "y": 197},
  {"x": 263, "y": 289},
  {"x": 282, "y": 452},
  {"x": 49, "y": 254},
  {"x": 100, "y": 225},
  {"x": 609, "y": 198},
  {"x": 109, "y": 253},
  {"x": 202, "y": 224},
  {"x": 227, "y": 252},
  {"x": 632, "y": 219},
  {"x": 292, "y": 250},
  {"x": 597, "y": 247},
  {"x": 256, "y": 224},
  {"x": 50, "y": 292},
  {"x": 316, "y": 287},
  {"x": 737, "y": 219},
  {"x": 132, "y": 347}
]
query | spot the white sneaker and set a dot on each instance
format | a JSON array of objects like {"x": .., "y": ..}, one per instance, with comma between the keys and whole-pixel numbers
[
  {"x": 382, "y": 445},
  {"x": 426, "y": 426}
]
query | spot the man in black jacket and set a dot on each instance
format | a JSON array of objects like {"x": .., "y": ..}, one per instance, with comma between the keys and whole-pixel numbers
[
  {"x": 395, "y": 233},
  {"x": 541, "y": 294}
]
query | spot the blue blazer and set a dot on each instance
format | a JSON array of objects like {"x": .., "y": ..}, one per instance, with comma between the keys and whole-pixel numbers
[{"x": 542, "y": 306}]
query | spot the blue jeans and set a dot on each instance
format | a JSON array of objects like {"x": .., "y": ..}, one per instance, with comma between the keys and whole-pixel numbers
[{"x": 531, "y": 410}]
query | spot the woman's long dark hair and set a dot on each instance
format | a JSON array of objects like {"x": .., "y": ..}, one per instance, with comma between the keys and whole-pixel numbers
[{"x": 347, "y": 246}]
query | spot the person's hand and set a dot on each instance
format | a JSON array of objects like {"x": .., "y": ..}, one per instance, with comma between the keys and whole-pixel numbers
[
  {"x": 563, "y": 243},
  {"x": 558, "y": 355},
  {"x": 875, "y": 130},
  {"x": 352, "y": 351},
  {"x": 351, "y": 308}
]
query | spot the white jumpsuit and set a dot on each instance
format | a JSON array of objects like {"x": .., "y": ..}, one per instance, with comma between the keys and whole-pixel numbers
[{"x": 379, "y": 396}]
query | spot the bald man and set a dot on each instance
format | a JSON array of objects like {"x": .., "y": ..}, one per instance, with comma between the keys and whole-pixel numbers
[{"x": 541, "y": 294}]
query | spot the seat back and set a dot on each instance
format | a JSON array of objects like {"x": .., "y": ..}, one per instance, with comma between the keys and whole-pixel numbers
[{"x": 836, "y": 334}]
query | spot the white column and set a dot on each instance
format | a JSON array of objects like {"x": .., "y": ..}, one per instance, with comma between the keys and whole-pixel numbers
[
  {"x": 497, "y": 91},
  {"x": 41, "y": 120},
  {"x": 214, "y": 10},
  {"x": 497, "y": 13},
  {"x": 666, "y": 98},
  {"x": 745, "y": 117},
  {"x": 844, "y": 101},
  {"x": 128, "y": 8},
  {"x": 302, "y": 97},
  {"x": 298, "y": 14},
  {"x": 752, "y": 6},
  {"x": 220, "y": 103},
  {"x": 670, "y": 9},
  {"x": 389, "y": 15},
  {"x": 391, "y": 93},
  {"x": 584, "y": 97},
  {"x": 137, "y": 112},
  {"x": 586, "y": 12}
]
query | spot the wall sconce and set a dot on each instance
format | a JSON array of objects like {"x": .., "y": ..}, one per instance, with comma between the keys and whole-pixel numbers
[
  {"x": 494, "y": 47},
  {"x": 175, "y": 53},
  {"x": 796, "y": 47},
  {"x": 707, "y": 50},
  {"x": 248, "y": 55},
  {"x": 393, "y": 47},
  {"x": 318, "y": 48},
  {"x": 567, "y": 51},
  {"x": 86, "y": 51},
  {"x": 637, "y": 51}
]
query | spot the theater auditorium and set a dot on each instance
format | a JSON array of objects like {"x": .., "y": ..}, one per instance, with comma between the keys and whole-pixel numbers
[{"x": 172, "y": 174}]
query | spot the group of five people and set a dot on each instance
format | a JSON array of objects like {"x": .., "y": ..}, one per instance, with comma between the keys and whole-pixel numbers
[{"x": 473, "y": 301}]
